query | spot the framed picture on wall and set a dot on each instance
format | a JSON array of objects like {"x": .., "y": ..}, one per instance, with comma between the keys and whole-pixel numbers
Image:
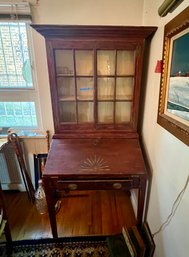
[{"x": 173, "y": 111}]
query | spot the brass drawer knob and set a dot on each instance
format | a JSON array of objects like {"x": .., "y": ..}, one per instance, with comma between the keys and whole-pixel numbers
[
  {"x": 72, "y": 186},
  {"x": 117, "y": 185}
]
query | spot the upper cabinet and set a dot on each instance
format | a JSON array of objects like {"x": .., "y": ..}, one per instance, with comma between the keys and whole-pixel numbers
[{"x": 95, "y": 78}]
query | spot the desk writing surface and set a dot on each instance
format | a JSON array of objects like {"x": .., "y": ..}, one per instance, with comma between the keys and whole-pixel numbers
[{"x": 94, "y": 158}]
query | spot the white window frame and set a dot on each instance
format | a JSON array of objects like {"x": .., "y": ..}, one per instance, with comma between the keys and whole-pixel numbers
[{"x": 25, "y": 94}]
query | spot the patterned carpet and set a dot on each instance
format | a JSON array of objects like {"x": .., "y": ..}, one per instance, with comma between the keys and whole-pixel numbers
[{"x": 61, "y": 247}]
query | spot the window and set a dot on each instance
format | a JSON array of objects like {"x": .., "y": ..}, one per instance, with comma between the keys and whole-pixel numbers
[{"x": 19, "y": 107}]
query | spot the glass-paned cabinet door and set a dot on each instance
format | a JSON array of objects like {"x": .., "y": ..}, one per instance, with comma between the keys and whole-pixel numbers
[
  {"x": 90, "y": 82},
  {"x": 115, "y": 85},
  {"x": 75, "y": 85}
]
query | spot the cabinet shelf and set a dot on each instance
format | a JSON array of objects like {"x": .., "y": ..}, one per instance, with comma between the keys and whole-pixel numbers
[
  {"x": 72, "y": 99},
  {"x": 84, "y": 99},
  {"x": 67, "y": 99},
  {"x": 118, "y": 98},
  {"x": 64, "y": 75},
  {"x": 118, "y": 76}
]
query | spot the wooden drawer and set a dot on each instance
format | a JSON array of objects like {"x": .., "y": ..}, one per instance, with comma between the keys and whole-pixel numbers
[{"x": 125, "y": 184}]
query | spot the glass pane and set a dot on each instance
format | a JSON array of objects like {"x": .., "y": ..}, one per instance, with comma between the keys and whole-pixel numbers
[
  {"x": 15, "y": 67},
  {"x": 106, "y": 62},
  {"x": 105, "y": 112},
  {"x": 18, "y": 114},
  {"x": 124, "y": 88},
  {"x": 66, "y": 88},
  {"x": 125, "y": 62},
  {"x": 105, "y": 88},
  {"x": 68, "y": 112},
  {"x": 123, "y": 112},
  {"x": 85, "y": 112},
  {"x": 64, "y": 62},
  {"x": 177, "y": 86},
  {"x": 85, "y": 88},
  {"x": 84, "y": 63}
]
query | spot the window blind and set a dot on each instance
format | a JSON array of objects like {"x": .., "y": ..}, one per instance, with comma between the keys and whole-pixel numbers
[{"x": 15, "y": 11}]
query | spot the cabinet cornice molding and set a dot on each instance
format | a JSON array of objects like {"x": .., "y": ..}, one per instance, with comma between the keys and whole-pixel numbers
[{"x": 69, "y": 31}]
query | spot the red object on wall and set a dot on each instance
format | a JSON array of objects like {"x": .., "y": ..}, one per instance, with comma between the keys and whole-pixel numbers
[{"x": 158, "y": 68}]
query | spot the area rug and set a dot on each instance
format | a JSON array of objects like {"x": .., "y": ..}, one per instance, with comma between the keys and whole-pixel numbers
[{"x": 61, "y": 247}]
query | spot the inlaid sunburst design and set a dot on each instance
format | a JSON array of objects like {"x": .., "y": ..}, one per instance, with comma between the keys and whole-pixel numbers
[{"x": 94, "y": 163}]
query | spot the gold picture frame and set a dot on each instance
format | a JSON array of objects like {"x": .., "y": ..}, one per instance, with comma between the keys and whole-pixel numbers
[{"x": 173, "y": 110}]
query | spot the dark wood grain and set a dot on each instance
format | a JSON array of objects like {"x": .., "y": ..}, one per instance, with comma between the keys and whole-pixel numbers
[
  {"x": 94, "y": 164},
  {"x": 73, "y": 31},
  {"x": 121, "y": 156}
]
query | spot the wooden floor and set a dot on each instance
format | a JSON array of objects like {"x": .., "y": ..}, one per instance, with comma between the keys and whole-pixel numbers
[{"x": 81, "y": 213}]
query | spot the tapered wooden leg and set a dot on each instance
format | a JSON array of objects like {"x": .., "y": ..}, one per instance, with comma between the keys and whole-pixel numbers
[
  {"x": 141, "y": 199},
  {"x": 51, "y": 206}
]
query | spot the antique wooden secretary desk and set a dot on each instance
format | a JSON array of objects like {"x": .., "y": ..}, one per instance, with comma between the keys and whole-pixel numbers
[{"x": 95, "y": 79}]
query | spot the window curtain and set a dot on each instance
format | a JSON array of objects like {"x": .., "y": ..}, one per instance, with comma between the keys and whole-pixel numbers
[{"x": 15, "y": 11}]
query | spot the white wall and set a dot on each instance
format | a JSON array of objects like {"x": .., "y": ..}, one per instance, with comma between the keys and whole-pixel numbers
[
  {"x": 89, "y": 12},
  {"x": 168, "y": 157}
]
